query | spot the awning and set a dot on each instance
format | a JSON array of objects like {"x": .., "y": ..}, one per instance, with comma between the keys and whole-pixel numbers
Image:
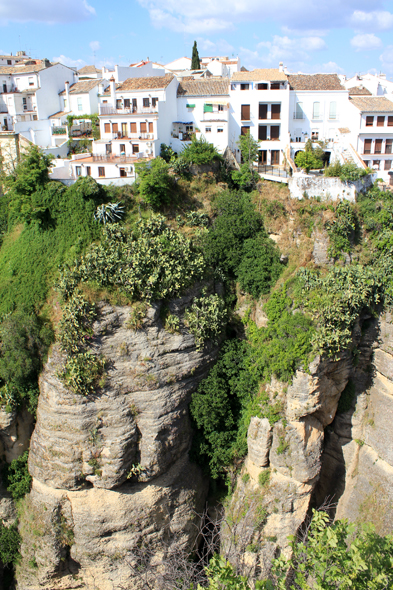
[
  {"x": 221, "y": 102},
  {"x": 182, "y": 123},
  {"x": 190, "y": 106},
  {"x": 208, "y": 108}
]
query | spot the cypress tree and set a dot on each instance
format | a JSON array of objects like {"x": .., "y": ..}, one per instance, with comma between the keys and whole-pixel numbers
[{"x": 195, "y": 62}]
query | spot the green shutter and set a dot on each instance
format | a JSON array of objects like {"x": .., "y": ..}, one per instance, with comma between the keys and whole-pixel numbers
[
  {"x": 190, "y": 106},
  {"x": 208, "y": 108}
]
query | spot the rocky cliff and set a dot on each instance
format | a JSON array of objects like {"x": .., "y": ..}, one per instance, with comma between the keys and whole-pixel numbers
[
  {"x": 110, "y": 471},
  {"x": 315, "y": 452}
]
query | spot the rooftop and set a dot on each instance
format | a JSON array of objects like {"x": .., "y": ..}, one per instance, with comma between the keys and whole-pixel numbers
[
  {"x": 314, "y": 82},
  {"x": 59, "y": 114},
  {"x": 26, "y": 68},
  {"x": 89, "y": 70},
  {"x": 268, "y": 75},
  {"x": 359, "y": 91},
  {"x": 203, "y": 88},
  {"x": 147, "y": 83},
  {"x": 83, "y": 86},
  {"x": 372, "y": 104}
]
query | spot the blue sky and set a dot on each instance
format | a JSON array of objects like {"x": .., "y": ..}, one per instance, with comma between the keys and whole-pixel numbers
[{"x": 345, "y": 36}]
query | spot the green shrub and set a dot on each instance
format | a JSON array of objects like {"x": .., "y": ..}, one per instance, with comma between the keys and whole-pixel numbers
[
  {"x": 172, "y": 323},
  {"x": 16, "y": 477},
  {"x": 137, "y": 315},
  {"x": 75, "y": 325},
  {"x": 82, "y": 372},
  {"x": 341, "y": 230},
  {"x": 206, "y": 318},
  {"x": 154, "y": 183},
  {"x": 199, "y": 152},
  {"x": 308, "y": 160},
  {"x": 9, "y": 544},
  {"x": 260, "y": 266},
  {"x": 264, "y": 478},
  {"x": 167, "y": 153},
  {"x": 246, "y": 178}
]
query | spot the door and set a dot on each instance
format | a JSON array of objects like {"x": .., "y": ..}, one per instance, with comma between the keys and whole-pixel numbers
[
  {"x": 263, "y": 111},
  {"x": 134, "y": 106},
  {"x": 124, "y": 129},
  {"x": 245, "y": 112},
  {"x": 108, "y": 148},
  {"x": 276, "y": 111},
  {"x": 262, "y": 157},
  {"x": 275, "y": 157}
]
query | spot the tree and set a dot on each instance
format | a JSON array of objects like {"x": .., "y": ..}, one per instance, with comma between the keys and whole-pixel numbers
[
  {"x": 308, "y": 160},
  {"x": 154, "y": 183},
  {"x": 247, "y": 177},
  {"x": 195, "y": 62}
]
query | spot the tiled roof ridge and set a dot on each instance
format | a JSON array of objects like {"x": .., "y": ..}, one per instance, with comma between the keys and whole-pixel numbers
[
  {"x": 315, "y": 82},
  {"x": 203, "y": 87}
]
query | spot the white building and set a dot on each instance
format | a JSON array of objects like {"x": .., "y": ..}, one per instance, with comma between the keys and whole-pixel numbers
[
  {"x": 203, "y": 109},
  {"x": 370, "y": 123},
  {"x": 317, "y": 109},
  {"x": 90, "y": 73},
  {"x": 375, "y": 83},
  {"x": 259, "y": 104}
]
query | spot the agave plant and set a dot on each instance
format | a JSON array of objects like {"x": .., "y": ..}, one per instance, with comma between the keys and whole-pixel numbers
[{"x": 109, "y": 213}]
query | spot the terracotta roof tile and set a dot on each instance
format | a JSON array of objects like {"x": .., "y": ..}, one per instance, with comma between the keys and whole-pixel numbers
[
  {"x": 89, "y": 70},
  {"x": 203, "y": 88},
  {"x": 83, "y": 86},
  {"x": 315, "y": 82},
  {"x": 372, "y": 104},
  {"x": 21, "y": 68},
  {"x": 59, "y": 114},
  {"x": 268, "y": 75},
  {"x": 146, "y": 83},
  {"x": 358, "y": 91}
]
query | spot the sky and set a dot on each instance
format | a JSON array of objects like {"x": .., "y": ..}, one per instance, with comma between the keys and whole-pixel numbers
[{"x": 343, "y": 36}]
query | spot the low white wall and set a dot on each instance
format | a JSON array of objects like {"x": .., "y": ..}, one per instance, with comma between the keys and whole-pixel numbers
[
  {"x": 116, "y": 181},
  {"x": 326, "y": 187}
]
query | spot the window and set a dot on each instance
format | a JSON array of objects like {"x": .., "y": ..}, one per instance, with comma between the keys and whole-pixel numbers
[
  {"x": 9, "y": 62},
  {"x": 115, "y": 127},
  {"x": 275, "y": 132},
  {"x": 276, "y": 111},
  {"x": 388, "y": 146},
  {"x": 390, "y": 121},
  {"x": 369, "y": 121},
  {"x": 378, "y": 146},
  {"x": 143, "y": 127},
  {"x": 380, "y": 121},
  {"x": 150, "y": 127},
  {"x": 245, "y": 112},
  {"x": 220, "y": 130},
  {"x": 107, "y": 127},
  {"x": 315, "y": 110},
  {"x": 123, "y": 172},
  {"x": 387, "y": 164},
  {"x": 118, "y": 103},
  {"x": 220, "y": 107},
  {"x": 299, "y": 111},
  {"x": 35, "y": 118},
  {"x": 367, "y": 146},
  {"x": 262, "y": 86},
  {"x": 127, "y": 103},
  {"x": 244, "y": 87},
  {"x": 376, "y": 164},
  {"x": 122, "y": 149},
  {"x": 275, "y": 157},
  {"x": 80, "y": 105},
  {"x": 88, "y": 171},
  {"x": 262, "y": 132},
  {"x": 275, "y": 86},
  {"x": 314, "y": 135},
  {"x": 146, "y": 103},
  {"x": 78, "y": 170},
  {"x": 208, "y": 129},
  {"x": 31, "y": 81},
  {"x": 135, "y": 148},
  {"x": 133, "y": 128},
  {"x": 298, "y": 139},
  {"x": 333, "y": 110},
  {"x": 263, "y": 111},
  {"x": 244, "y": 130},
  {"x": 207, "y": 108},
  {"x": 101, "y": 171},
  {"x": 154, "y": 102}
]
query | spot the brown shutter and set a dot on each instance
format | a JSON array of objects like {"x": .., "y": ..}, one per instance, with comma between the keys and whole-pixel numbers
[
  {"x": 133, "y": 128},
  {"x": 367, "y": 146},
  {"x": 369, "y": 121},
  {"x": 107, "y": 127},
  {"x": 115, "y": 128},
  {"x": 276, "y": 111},
  {"x": 262, "y": 132},
  {"x": 245, "y": 114},
  {"x": 263, "y": 111},
  {"x": 390, "y": 121},
  {"x": 143, "y": 127},
  {"x": 150, "y": 127},
  {"x": 275, "y": 132},
  {"x": 244, "y": 130},
  {"x": 378, "y": 146},
  {"x": 388, "y": 146},
  {"x": 380, "y": 121}
]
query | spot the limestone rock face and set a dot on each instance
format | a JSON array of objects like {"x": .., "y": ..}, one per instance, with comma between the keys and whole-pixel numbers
[
  {"x": 112, "y": 468},
  {"x": 259, "y": 439}
]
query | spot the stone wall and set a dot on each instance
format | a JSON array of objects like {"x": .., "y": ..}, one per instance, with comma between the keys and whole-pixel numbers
[{"x": 327, "y": 188}]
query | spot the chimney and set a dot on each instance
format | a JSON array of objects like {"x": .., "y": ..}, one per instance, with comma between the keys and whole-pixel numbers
[
  {"x": 101, "y": 88},
  {"x": 113, "y": 91},
  {"x": 280, "y": 67},
  {"x": 67, "y": 91}
]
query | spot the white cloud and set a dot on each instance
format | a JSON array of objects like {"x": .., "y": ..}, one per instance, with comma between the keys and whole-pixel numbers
[
  {"x": 94, "y": 45},
  {"x": 220, "y": 47},
  {"x": 289, "y": 50},
  {"x": 377, "y": 20},
  {"x": 304, "y": 15},
  {"x": 45, "y": 11},
  {"x": 71, "y": 63},
  {"x": 366, "y": 42},
  {"x": 387, "y": 58}
]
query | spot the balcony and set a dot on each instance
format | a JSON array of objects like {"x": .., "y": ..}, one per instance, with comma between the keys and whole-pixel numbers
[
  {"x": 109, "y": 110},
  {"x": 131, "y": 136},
  {"x": 3, "y": 108},
  {"x": 59, "y": 130},
  {"x": 112, "y": 159},
  {"x": 299, "y": 116}
]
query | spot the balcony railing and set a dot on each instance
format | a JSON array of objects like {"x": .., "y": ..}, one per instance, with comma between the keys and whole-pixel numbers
[
  {"x": 272, "y": 170},
  {"x": 298, "y": 116},
  {"x": 56, "y": 130},
  {"x": 109, "y": 110},
  {"x": 112, "y": 158}
]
